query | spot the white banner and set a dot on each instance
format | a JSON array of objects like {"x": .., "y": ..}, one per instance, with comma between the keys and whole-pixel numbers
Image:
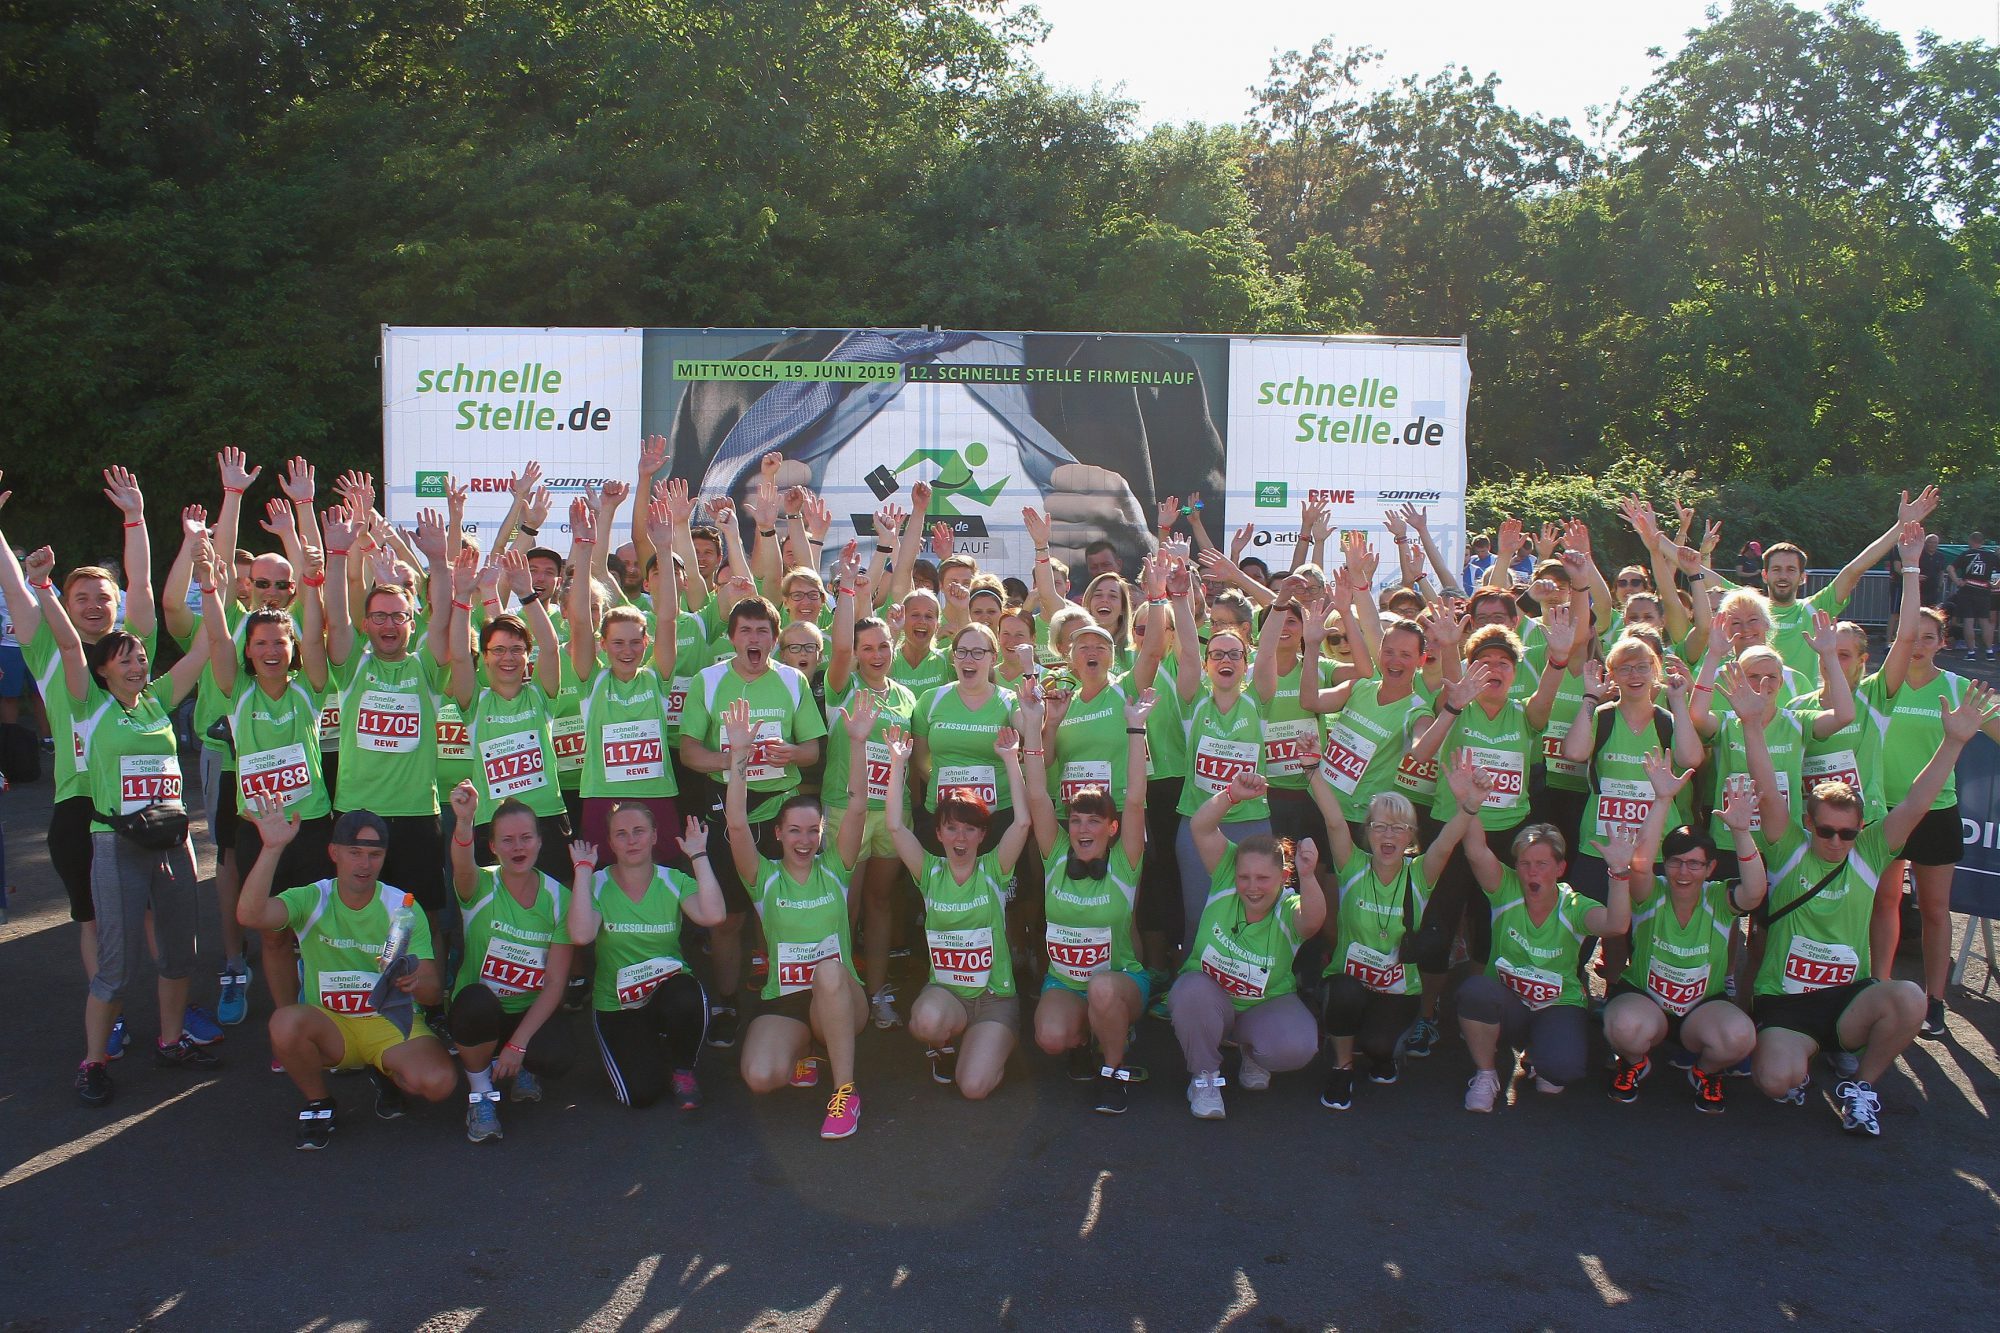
[
  {"x": 476, "y": 404},
  {"x": 1366, "y": 426}
]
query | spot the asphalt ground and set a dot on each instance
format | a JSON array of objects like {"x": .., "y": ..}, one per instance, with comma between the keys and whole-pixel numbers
[{"x": 183, "y": 1204}]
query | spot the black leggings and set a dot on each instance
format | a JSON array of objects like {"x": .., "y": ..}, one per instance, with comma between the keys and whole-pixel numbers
[
  {"x": 1458, "y": 895},
  {"x": 1376, "y": 1021},
  {"x": 643, "y": 1047},
  {"x": 477, "y": 1018}
]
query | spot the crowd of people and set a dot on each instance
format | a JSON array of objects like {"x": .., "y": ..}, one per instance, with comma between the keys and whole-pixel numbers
[{"x": 480, "y": 805}]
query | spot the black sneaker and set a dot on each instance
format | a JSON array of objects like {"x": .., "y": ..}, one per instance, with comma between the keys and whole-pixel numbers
[
  {"x": 93, "y": 1083},
  {"x": 388, "y": 1097},
  {"x": 315, "y": 1125},
  {"x": 1423, "y": 1039},
  {"x": 1113, "y": 1088},
  {"x": 1339, "y": 1093},
  {"x": 184, "y": 1054},
  {"x": 1933, "y": 1021},
  {"x": 576, "y": 995},
  {"x": 1082, "y": 1064},
  {"x": 722, "y": 1025},
  {"x": 1382, "y": 1071},
  {"x": 944, "y": 1064},
  {"x": 1626, "y": 1076}
]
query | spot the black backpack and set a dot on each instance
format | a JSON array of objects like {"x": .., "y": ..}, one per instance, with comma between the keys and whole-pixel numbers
[
  {"x": 1607, "y": 718},
  {"x": 20, "y": 754}
]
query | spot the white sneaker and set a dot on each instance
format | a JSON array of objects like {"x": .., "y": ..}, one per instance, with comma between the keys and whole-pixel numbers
[
  {"x": 1542, "y": 1085},
  {"x": 883, "y": 1005},
  {"x": 1205, "y": 1096},
  {"x": 1251, "y": 1076},
  {"x": 1481, "y": 1090}
]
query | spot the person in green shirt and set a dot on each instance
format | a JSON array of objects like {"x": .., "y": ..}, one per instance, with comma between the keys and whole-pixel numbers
[
  {"x": 968, "y": 1016},
  {"x": 504, "y": 1004},
  {"x": 1814, "y": 991},
  {"x": 1237, "y": 981},
  {"x": 812, "y": 992},
  {"x": 920, "y": 666},
  {"x": 1793, "y": 617},
  {"x": 1531, "y": 994},
  {"x": 1096, "y": 987},
  {"x": 648, "y": 1009},
  {"x": 344, "y": 924},
  {"x": 955, "y": 727}
]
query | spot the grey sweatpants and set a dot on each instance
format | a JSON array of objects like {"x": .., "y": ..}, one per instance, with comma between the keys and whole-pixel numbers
[
  {"x": 1278, "y": 1034},
  {"x": 126, "y": 879},
  {"x": 1556, "y": 1039},
  {"x": 1195, "y": 879}
]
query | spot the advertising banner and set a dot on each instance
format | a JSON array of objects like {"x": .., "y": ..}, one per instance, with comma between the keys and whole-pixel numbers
[
  {"x": 1975, "y": 889},
  {"x": 477, "y": 404}
]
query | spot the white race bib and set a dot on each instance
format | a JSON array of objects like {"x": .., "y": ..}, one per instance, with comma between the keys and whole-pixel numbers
[
  {"x": 1289, "y": 746},
  {"x": 763, "y": 735},
  {"x": 677, "y": 697},
  {"x": 280, "y": 774},
  {"x": 388, "y": 721},
  {"x": 1622, "y": 807},
  {"x": 634, "y": 751},
  {"x": 979, "y": 779},
  {"x": 1510, "y": 773},
  {"x": 1376, "y": 970},
  {"x": 796, "y": 963},
  {"x": 568, "y": 740},
  {"x": 1217, "y": 762},
  {"x": 1537, "y": 986},
  {"x": 1243, "y": 981},
  {"x": 1552, "y": 752},
  {"x": 1833, "y": 766},
  {"x": 329, "y": 727},
  {"x": 1080, "y": 773},
  {"x": 147, "y": 779},
  {"x": 876, "y": 756},
  {"x": 1078, "y": 953},
  {"x": 1345, "y": 757},
  {"x": 1811, "y": 965},
  {"x": 637, "y": 981},
  {"x": 1676, "y": 988},
  {"x": 454, "y": 739},
  {"x": 962, "y": 957},
  {"x": 513, "y": 764},
  {"x": 347, "y": 992},
  {"x": 513, "y": 968},
  {"x": 1745, "y": 785}
]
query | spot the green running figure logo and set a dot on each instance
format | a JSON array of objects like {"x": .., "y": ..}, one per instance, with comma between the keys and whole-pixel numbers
[{"x": 955, "y": 480}]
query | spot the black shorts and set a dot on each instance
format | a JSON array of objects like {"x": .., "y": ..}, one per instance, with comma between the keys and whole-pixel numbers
[
  {"x": 735, "y": 894},
  {"x": 69, "y": 852},
  {"x": 303, "y": 861},
  {"x": 1970, "y": 603},
  {"x": 1816, "y": 1014},
  {"x": 414, "y": 861},
  {"x": 1937, "y": 840},
  {"x": 797, "y": 1006},
  {"x": 1674, "y": 1020}
]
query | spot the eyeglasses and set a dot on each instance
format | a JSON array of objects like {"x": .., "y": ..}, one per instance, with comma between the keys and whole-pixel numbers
[
  {"x": 1377, "y": 826},
  {"x": 1844, "y": 834},
  {"x": 971, "y": 654},
  {"x": 1631, "y": 583},
  {"x": 1693, "y": 861},
  {"x": 806, "y": 595},
  {"x": 389, "y": 617},
  {"x": 1225, "y": 657},
  {"x": 265, "y": 585}
]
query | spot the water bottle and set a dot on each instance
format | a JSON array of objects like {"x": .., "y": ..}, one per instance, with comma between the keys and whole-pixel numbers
[{"x": 399, "y": 935}]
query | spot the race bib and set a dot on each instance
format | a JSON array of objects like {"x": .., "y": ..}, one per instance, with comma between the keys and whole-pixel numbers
[
  {"x": 1622, "y": 807},
  {"x": 762, "y": 737},
  {"x": 962, "y": 957},
  {"x": 454, "y": 739},
  {"x": 1510, "y": 772},
  {"x": 569, "y": 740},
  {"x": 513, "y": 764},
  {"x": 347, "y": 992},
  {"x": 1678, "y": 989},
  {"x": 979, "y": 779},
  {"x": 1078, "y": 953},
  {"x": 677, "y": 697},
  {"x": 1345, "y": 756},
  {"x": 388, "y": 721},
  {"x": 1217, "y": 762},
  {"x": 329, "y": 727},
  {"x": 1745, "y": 785},
  {"x": 1244, "y": 981},
  {"x": 1811, "y": 965},
  {"x": 279, "y": 774},
  {"x": 637, "y": 981},
  {"x": 1078, "y": 774},
  {"x": 797, "y": 961},
  {"x": 147, "y": 779},
  {"x": 876, "y": 756},
  {"x": 513, "y": 968},
  {"x": 1376, "y": 970},
  {"x": 1538, "y": 987},
  {"x": 633, "y": 751},
  {"x": 1833, "y": 766},
  {"x": 1552, "y": 753},
  {"x": 1289, "y": 746},
  {"x": 1417, "y": 778}
]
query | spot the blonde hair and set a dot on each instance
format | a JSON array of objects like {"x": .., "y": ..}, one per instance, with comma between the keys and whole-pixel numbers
[
  {"x": 1392, "y": 807},
  {"x": 1746, "y": 600},
  {"x": 1546, "y": 834},
  {"x": 1627, "y": 646}
]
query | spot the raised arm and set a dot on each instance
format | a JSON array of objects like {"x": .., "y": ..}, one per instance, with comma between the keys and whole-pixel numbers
[
  {"x": 652, "y": 457},
  {"x": 256, "y": 909},
  {"x": 1907, "y": 511},
  {"x": 1206, "y": 825},
  {"x": 340, "y": 533},
  {"x": 666, "y": 590},
  {"x": 122, "y": 489},
  {"x": 1132, "y": 811},
  {"x": 860, "y": 721},
  {"x": 706, "y": 907},
  {"x": 1471, "y": 784},
  {"x": 1340, "y": 842},
  {"x": 22, "y": 607},
  {"x": 576, "y": 599},
  {"x": 908, "y": 850},
  {"x": 1754, "y": 712},
  {"x": 1974, "y": 710},
  {"x": 1896, "y": 667},
  {"x": 1560, "y": 627},
  {"x": 43, "y": 596},
  {"x": 736, "y": 732},
  {"x": 222, "y": 656},
  {"x": 1836, "y": 693},
  {"x": 1007, "y": 745}
]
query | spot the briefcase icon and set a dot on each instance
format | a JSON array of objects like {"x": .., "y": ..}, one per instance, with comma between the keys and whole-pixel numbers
[{"x": 883, "y": 482}]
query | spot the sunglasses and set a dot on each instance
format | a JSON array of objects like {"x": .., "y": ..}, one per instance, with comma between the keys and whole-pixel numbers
[
  {"x": 1844, "y": 834},
  {"x": 1631, "y": 583},
  {"x": 265, "y": 585}
]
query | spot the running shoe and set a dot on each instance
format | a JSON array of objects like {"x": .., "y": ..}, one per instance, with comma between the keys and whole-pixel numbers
[
  {"x": 1707, "y": 1090},
  {"x": 1423, "y": 1039},
  {"x": 805, "y": 1073},
  {"x": 883, "y": 1005},
  {"x": 199, "y": 1026},
  {"x": 1481, "y": 1090},
  {"x": 1797, "y": 1096},
  {"x": 687, "y": 1092},
  {"x": 93, "y": 1083},
  {"x": 114, "y": 1046},
  {"x": 1205, "y": 1096},
  {"x": 944, "y": 1064},
  {"x": 1741, "y": 1069},
  {"x": 1859, "y": 1107},
  {"x": 1339, "y": 1092},
  {"x": 482, "y": 1116},
  {"x": 315, "y": 1125},
  {"x": 722, "y": 1025},
  {"x": 184, "y": 1054},
  {"x": 1384, "y": 1071},
  {"x": 1251, "y": 1076},
  {"x": 1846, "y": 1064},
  {"x": 389, "y": 1104},
  {"x": 1113, "y": 1090},
  {"x": 527, "y": 1088},
  {"x": 843, "y": 1113},
  {"x": 232, "y": 999},
  {"x": 277, "y": 1065},
  {"x": 1162, "y": 1005},
  {"x": 1626, "y": 1076},
  {"x": 1083, "y": 1065},
  {"x": 1933, "y": 1020}
]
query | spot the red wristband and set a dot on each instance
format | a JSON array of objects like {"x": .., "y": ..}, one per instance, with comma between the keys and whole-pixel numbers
[
  {"x": 463, "y": 606},
  {"x": 461, "y": 842},
  {"x": 519, "y": 1050},
  {"x": 333, "y": 552},
  {"x": 232, "y": 490},
  {"x": 46, "y": 585},
  {"x": 317, "y": 582},
  {"x": 140, "y": 524},
  {"x": 208, "y": 592}
]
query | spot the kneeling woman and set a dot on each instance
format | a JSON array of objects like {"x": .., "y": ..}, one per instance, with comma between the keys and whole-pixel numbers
[
  {"x": 1681, "y": 926},
  {"x": 1373, "y": 996},
  {"x": 813, "y": 991},
  {"x": 648, "y": 1010},
  {"x": 1237, "y": 981},
  {"x": 970, "y": 1002},
  {"x": 517, "y": 961}
]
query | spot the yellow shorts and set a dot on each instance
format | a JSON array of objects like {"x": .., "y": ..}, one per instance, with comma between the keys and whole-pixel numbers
[
  {"x": 366, "y": 1038},
  {"x": 875, "y": 839}
]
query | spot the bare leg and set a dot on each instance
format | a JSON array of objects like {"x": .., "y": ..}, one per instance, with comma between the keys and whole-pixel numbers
[
  {"x": 1115, "y": 1005},
  {"x": 1884, "y": 1019},
  {"x": 1934, "y": 902},
  {"x": 838, "y": 1011}
]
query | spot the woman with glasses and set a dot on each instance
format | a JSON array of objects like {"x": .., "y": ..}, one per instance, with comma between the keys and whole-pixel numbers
[
  {"x": 805, "y": 599},
  {"x": 1292, "y": 741},
  {"x": 956, "y": 727}
]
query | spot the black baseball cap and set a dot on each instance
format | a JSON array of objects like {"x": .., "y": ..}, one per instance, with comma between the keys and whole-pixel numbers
[{"x": 347, "y": 830}]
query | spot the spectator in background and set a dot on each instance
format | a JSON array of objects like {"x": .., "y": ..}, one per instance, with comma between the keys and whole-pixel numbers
[
  {"x": 1972, "y": 601},
  {"x": 1750, "y": 566},
  {"x": 1931, "y": 567},
  {"x": 1476, "y": 564}
]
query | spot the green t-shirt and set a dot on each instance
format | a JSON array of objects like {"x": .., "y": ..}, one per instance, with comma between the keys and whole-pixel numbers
[
  {"x": 1418, "y": 780},
  {"x": 1250, "y": 960},
  {"x": 691, "y": 654},
  {"x": 454, "y": 750},
  {"x": 1166, "y": 728},
  {"x": 1538, "y": 963},
  {"x": 1505, "y": 746},
  {"x": 894, "y": 706},
  {"x": 965, "y": 927},
  {"x": 1678, "y": 965},
  {"x": 781, "y": 709},
  {"x": 1622, "y": 795},
  {"x": 507, "y": 945},
  {"x": 1561, "y": 774},
  {"x": 1909, "y": 729},
  {"x": 1221, "y": 745},
  {"x": 340, "y": 947},
  {"x": 805, "y": 924},
  {"x": 1372, "y": 926},
  {"x": 961, "y": 743},
  {"x": 1825, "y": 942},
  {"x": 1852, "y": 755},
  {"x": 933, "y": 670},
  {"x": 513, "y": 751},
  {"x": 277, "y": 747},
  {"x": 1791, "y": 632},
  {"x": 209, "y": 701},
  {"x": 638, "y": 943},
  {"x": 130, "y": 754},
  {"x": 1365, "y": 744},
  {"x": 1291, "y": 734},
  {"x": 1089, "y": 920},
  {"x": 569, "y": 744},
  {"x": 45, "y": 664},
  {"x": 1090, "y": 747},
  {"x": 1784, "y": 737},
  {"x": 388, "y": 710},
  {"x": 625, "y": 736}
]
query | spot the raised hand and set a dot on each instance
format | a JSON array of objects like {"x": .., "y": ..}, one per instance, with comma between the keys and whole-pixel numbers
[
  {"x": 122, "y": 489},
  {"x": 1476, "y": 678},
  {"x": 39, "y": 564},
  {"x": 1559, "y": 628},
  {"x": 535, "y": 512},
  {"x": 583, "y": 855},
  {"x": 1037, "y": 526},
  {"x": 1824, "y": 637},
  {"x": 1169, "y": 512},
  {"x": 1739, "y": 809},
  {"x": 381, "y": 566},
  {"x": 1617, "y": 852},
  {"x": 515, "y": 566},
  {"x": 694, "y": 842},
  {"x": 1470, "y": 784},
  {"x": 862, "y": 713},
  {"x": 900, "y": 744},
  {"x": 433, "y": 535},
  {"x": 1974, "y": 711},
  {"x": 737, "y": 730},
  {"x": 278, "y": 521},
  {"x": 1007, "y": 744},
  {"x": 1910, "y": 544},
  {"x": 525, "y": 479},
  {"x": 1576, "y": 537},
  {"x": 465, "y": 801},
  {"x": 1399, "y": 529},
  {"x": 1667, "y": 784},
  {"x": 1595, "y": 681},
  {"x": 680, "y": 505},
  {"x": 818, "y": 516},
  {"x": 1306, "y": 859},
  {"x": 276, "y": 824},
  {"x": 582, "y": 524},
  {"x": 1248, "y": 785},
  {"x": 464, "y": 575},
  {"x": 1137, "y": 709},
  {"x": 660, "y": 524},
  {"x": 298, "y": 481},
  {"x": 357, "y": 490},
  {"x": 1240, "y": 543},
  {"x": 653, "y": 456},
  {"x": 234, "y": 464},
  {"x": 941, "y": 540},
  {"x": 889, "y": 521},
  {"x": 1919, "y": 509},
  {"x": 338, "y": 523},
  {"x": 1508, "y": 545}
]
